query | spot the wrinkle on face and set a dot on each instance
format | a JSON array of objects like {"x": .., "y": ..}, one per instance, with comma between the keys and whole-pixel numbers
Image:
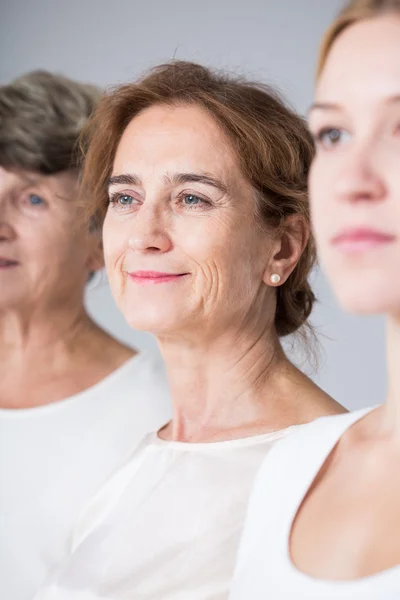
[{"x": 167, "y": 152}]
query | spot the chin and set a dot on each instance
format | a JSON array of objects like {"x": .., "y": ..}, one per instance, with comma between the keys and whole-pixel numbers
[
  {"x": 154, "y": 319},
  {"x": 363, "y": 287},
  {"x": 10, "y": 300},
  {"x": 368, "y": 300}
]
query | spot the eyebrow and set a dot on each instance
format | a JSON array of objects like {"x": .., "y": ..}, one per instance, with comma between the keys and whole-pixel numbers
[
  {"x": 332, "y": 106},
  {"x": 323, "y": 106},
  {"x": 181, "y": 178},
  {"x": 31, "y": 180},
  {"x": 124, "y": 179},
  {"x": 177, "y": 179},
  {"x": 393, "y": 99}
]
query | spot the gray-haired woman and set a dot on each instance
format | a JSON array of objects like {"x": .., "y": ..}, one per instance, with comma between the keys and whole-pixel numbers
[{"x": 72, "y": 398}]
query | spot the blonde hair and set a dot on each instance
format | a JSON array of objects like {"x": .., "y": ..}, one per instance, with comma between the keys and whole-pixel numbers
[{"x": 354, "y": 11}]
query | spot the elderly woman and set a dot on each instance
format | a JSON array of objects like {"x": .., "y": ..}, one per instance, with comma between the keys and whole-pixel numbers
[
  {"x": 72, "y": 398},
  {"x": 202, "y": 181}
]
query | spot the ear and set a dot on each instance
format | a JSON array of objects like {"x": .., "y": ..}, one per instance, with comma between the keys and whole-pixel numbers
[
  {"x": 287, "y": 249},
  {"x": 95, "y": 261}
]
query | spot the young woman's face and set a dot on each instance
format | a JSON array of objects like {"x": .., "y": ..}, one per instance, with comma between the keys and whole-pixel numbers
[{"x": 355, "y": 177}]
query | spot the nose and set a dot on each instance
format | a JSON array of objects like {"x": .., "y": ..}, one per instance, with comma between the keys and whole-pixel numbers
[
  {"x": 7, "y": 233},
  {"x": 360, "y": 179},
  {"x": 149, "y": 231}
]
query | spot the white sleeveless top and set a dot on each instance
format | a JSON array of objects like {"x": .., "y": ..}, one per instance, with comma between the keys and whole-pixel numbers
[
  {"x": 264, "y": 569},
  {"x": 167, "y": 525}
]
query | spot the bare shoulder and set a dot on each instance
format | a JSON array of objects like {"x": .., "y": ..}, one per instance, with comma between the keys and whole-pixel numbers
[
  {"x": 314, "y": 401},
  {"x": 321, "y": 404}
]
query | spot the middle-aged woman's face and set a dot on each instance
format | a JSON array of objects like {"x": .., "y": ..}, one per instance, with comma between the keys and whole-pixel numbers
[
  {"x": 182, "y": 248},
  {"x": 355, "y": 177},
  {"x": 45, "y": 257}
]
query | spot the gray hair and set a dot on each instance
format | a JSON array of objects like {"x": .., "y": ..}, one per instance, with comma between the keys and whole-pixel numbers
[{"x": 41, "y": 119}]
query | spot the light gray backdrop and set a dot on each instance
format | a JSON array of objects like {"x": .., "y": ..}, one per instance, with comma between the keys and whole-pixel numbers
[{"x": 110, "y": 41}]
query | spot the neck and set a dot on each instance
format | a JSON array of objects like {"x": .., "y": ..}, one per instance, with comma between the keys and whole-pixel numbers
[
  {"x": 225, "y": 386},
  {"x": 51, "y": 353},
  {"x": 392, "y": 406},
  {"x": 36, "y": 333}
]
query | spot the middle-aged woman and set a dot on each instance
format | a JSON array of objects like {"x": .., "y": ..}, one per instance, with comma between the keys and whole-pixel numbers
[
  {"x": 202, "y": 180},
  {"x": 324, "y": 519}
]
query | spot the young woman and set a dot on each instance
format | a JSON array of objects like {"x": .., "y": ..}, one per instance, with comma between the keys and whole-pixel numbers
[{"x": 324, "y": 519}]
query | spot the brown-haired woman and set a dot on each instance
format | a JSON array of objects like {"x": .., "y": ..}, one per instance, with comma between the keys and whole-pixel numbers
[
  {"x": 324, "y": 519},
  {"x": 201, "y": 179},
  {"x": 72, "y": 398}
]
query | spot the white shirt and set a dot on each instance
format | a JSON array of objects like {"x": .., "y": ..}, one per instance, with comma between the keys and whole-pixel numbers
[
  {"x": 264, "y": 569},
  {"x": 166, "y": 526},
  {"x": 53, "y": 459}
]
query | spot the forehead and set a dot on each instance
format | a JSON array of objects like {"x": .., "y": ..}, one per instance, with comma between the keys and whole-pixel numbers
[
  {"x": 363, "y": 65},
  {"x": 18, "y": 177},
  {"x": 178, "y": 137},
  {"x": 63, "y": 184}
]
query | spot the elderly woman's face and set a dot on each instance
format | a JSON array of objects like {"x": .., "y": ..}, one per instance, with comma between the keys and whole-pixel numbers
[
  {"x": 182, "y": 247},
  {"x": 44, "y": 255}
]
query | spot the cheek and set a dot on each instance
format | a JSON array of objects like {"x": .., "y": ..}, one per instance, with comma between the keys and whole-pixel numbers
[
  {"x": 321, "y": 203},
  {"x": 315, "y": 186},
  {"x": 201, "y": 238},
  {"x": 114, "y": 242},
  {"x": 50, "y": 246},
  {"x": 201, "y": 246},
  {"x": 395, "y": 185},
  {"x": 231, "y": 252}
]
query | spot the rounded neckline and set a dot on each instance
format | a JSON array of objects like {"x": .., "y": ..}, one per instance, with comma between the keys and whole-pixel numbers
[
  {"x": 360, "y": 582},
  {"x": 16, "y": 413},
  {"x": 251, "y": 440}
]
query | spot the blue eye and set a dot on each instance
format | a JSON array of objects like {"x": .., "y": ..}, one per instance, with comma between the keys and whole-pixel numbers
[
  {"x": 191, "y": 200},
  {"x": 125, "y": 200},
  {"x": 331, "y": 136},
  {"x": 121, "y": 200},
  {"x": 35, "y": 200}
]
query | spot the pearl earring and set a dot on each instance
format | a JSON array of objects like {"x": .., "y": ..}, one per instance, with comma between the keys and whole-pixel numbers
[{"x": 275, "y": 278}]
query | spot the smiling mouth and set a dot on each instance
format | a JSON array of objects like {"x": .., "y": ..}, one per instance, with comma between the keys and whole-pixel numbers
[{"x": 154, "y": 277}]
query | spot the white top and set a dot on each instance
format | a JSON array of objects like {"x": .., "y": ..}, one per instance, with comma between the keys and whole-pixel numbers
[
  {"x": 264, "y": 569},
  {"x": 53, "y": 459},
  {"x": 166, "y": 526}
]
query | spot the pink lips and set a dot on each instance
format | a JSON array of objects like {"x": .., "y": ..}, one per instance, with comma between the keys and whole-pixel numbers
[
  {"x": 360, "y": 240},
  {"x": 153, "y": 277},
  {"x": 7, "y": 263}
]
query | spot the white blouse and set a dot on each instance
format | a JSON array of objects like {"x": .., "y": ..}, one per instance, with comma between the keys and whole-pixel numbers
[
  {"x": 264, "y": 568},
  {"x": 166, "y": 526}
]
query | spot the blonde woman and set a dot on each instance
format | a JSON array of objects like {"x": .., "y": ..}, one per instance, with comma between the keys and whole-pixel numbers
[{"x": 324, "y": 519}]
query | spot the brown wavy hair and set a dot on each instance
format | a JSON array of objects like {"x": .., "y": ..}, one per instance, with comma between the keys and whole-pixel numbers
[
  {"x": 272, "y": 144},
  {"x": 354, "y": 11}
]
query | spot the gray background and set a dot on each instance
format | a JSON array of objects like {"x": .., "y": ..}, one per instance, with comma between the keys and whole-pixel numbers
[{"x": 110, "y": 41}]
